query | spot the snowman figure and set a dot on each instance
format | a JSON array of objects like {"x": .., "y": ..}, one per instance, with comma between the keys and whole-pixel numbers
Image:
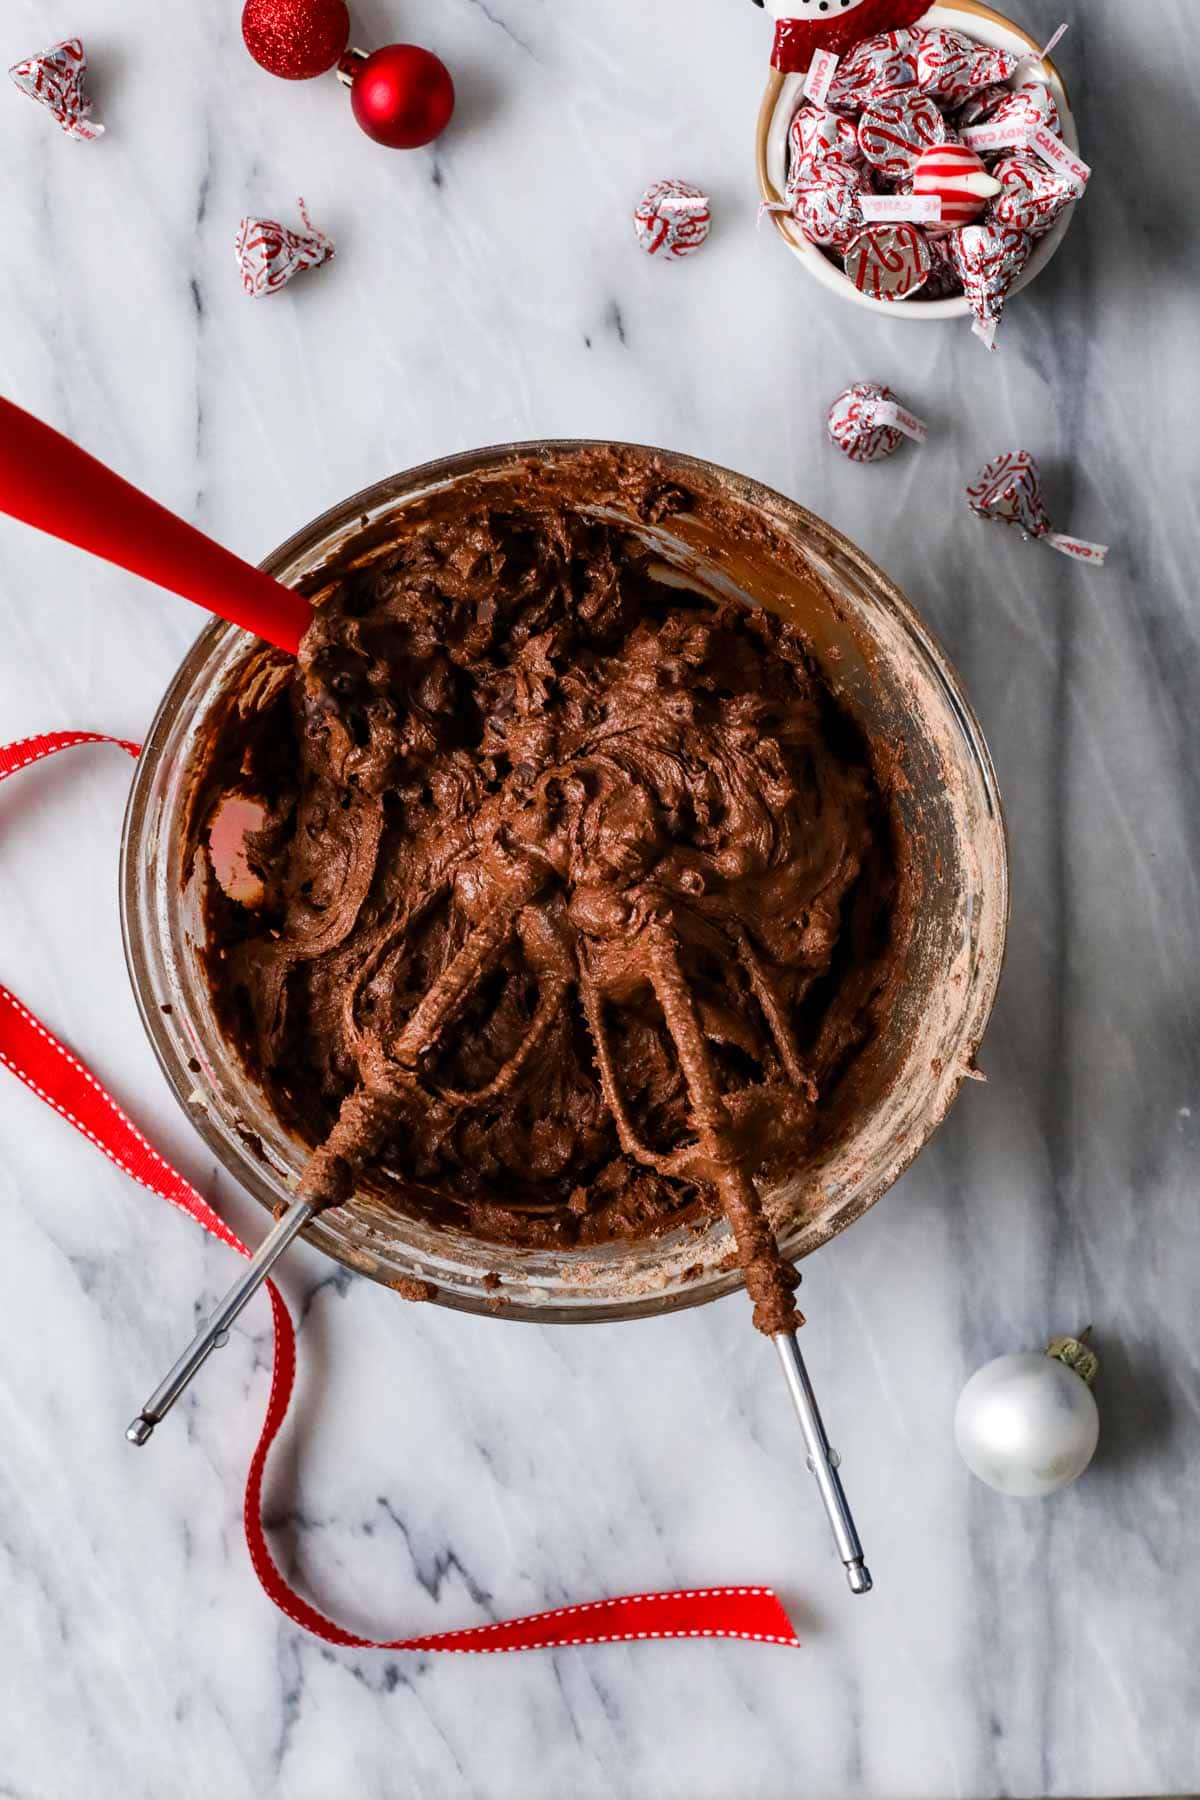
[{"x": 805, "y": 26}]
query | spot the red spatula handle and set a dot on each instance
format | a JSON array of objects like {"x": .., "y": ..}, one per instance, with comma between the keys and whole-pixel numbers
[{"x": 48, "y": 481}]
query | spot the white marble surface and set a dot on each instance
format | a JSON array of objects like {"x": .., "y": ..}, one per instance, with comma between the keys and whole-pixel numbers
[{"x": 443, "y": 1470}]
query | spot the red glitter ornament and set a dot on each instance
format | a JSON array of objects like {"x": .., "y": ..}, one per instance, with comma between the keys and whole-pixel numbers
[
  {"x": 402, "y": 96},
  {"x": 296, "y": 39}
]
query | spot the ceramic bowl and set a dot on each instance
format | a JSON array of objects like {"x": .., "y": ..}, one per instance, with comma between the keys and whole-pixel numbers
[{"x": 779, "y": 104}]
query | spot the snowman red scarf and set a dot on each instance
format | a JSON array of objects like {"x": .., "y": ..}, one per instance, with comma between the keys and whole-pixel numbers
[{"x": 803, "y": 27}]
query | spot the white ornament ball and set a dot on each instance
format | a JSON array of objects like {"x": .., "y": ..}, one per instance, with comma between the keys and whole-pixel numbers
[{"x": 1027, "y": 1424}]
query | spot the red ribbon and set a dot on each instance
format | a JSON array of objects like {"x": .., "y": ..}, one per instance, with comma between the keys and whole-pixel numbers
[{"x": 63, "y": 1082}]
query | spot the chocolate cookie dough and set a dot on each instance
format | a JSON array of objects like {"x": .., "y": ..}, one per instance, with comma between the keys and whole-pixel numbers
[{"x": 549, "y": 895}]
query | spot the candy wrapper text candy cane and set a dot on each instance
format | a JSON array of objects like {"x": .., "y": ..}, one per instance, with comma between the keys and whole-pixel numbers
[
  {"x": 820, "y": 77},
  {"x": 921, "y": 209},
  {"x": 1064, "y": 162}
]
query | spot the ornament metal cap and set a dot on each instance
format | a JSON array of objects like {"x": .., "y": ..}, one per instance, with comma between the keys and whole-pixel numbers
[
  {"x": 1076, "y": 1353},
  {"x": 348, "y": 65}
]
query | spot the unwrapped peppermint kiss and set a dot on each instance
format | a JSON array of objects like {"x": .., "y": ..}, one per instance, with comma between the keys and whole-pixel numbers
[
  {"x": 1009, "y": 492},
  {"x": 867, "y": 422},
  {"x": 958, "y": 178}
]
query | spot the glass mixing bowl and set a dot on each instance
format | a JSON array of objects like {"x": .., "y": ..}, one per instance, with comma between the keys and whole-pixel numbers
[{"x": 896, "y": 679}]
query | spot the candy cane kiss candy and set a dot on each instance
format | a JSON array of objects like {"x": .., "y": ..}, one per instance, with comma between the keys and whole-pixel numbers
[{"x": 958, "y": 178}]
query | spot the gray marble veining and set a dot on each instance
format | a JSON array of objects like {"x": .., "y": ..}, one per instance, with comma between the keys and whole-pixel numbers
[{"x": 440, "y": 1470}]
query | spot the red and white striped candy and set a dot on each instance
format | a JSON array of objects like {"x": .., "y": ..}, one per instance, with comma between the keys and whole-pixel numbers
[
  {"x": 888, "y": 262},
  {"x": 958, "y": 178},
  {"x": 817, "y": 132},
  {"x": 892, "y": 133},
  {"x": 672, "y": 219},
  {"x": 1031, "y": 195}
]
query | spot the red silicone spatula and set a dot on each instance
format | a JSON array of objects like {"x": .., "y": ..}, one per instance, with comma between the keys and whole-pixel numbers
[{"x": 48, "y": 481}]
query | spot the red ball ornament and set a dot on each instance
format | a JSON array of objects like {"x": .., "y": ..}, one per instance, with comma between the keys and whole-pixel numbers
[
  {"x": 402, "y": 96},
  {"x": 296, "y": 39}
]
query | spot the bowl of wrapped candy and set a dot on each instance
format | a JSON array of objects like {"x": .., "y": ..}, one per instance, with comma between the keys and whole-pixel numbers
[{"x": 929, "y": 168}]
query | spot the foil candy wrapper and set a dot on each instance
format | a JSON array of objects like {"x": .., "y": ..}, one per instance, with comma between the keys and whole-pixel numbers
[
  {"x": 878, "y": 67},
  {"x": 892, "y": 133},
  {"x": 952, "y": 67},
  {"x": 1009, "y": 492},
  {"x": 673, "y": 219},
  {"x": 980, "y": 105},
  {"x": 988, "y": 258},
  {"x": 56, "y": 79},
  {"x": 826, "y": 200},
  {"x": 1053, "y": 151},
  {"x": 815, "y": 131},
  {"x": 269, "y": 254},
  {"x": 1009, "y": 123},
  {"x": 867, "y": 422},
  {"x": 1031, "y": 195},
  {"x": 889, "y": 262}
]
